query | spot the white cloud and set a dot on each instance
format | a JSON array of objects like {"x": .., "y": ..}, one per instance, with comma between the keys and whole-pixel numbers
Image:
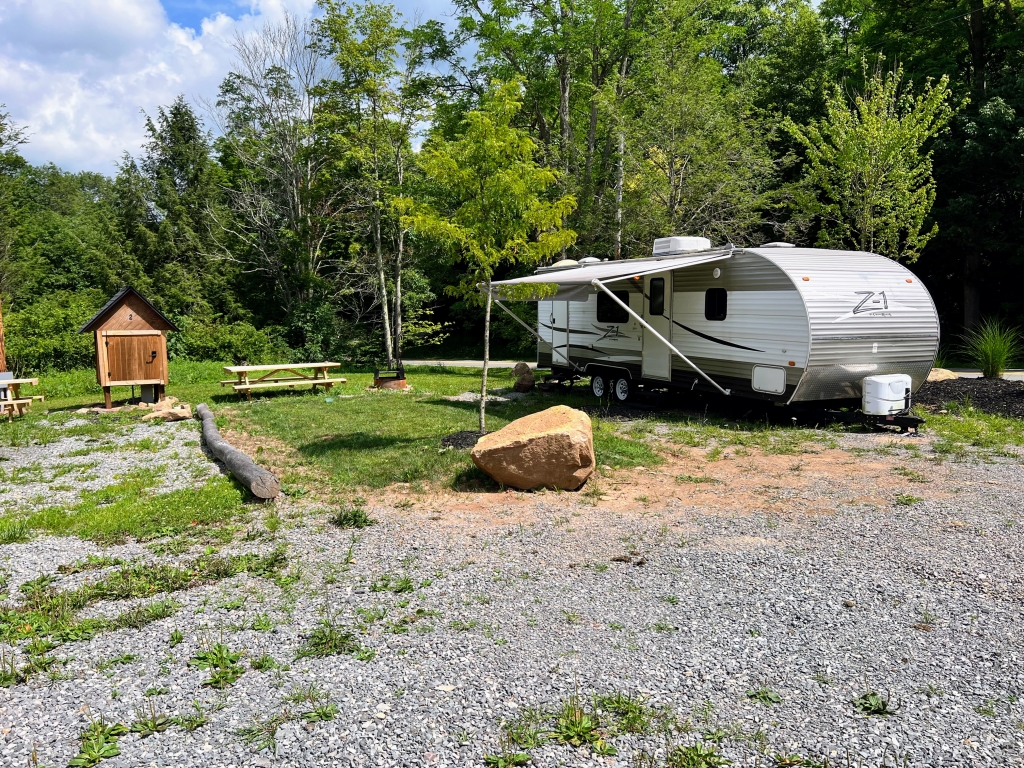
[{"x": 78, "y": 73}]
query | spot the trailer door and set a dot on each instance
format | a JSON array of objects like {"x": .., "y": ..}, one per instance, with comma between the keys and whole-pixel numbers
[
  {"x": 657, "y": 359},
  {"x": 560, "y": 333}
]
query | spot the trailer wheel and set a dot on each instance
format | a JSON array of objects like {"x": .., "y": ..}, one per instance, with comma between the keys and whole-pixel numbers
[
  {"x": 598, "y": 385},
  {"x": 622, "y": 390}
]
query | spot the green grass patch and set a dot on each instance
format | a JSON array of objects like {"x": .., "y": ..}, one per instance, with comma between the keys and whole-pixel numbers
[
  {"x": 965, "y": 431},
  {"x": 770, "y": 439},
  {"x": 129, "y": 508}
]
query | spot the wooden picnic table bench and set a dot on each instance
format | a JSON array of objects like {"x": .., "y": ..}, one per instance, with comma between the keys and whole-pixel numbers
[
  {"x": 13, "y": 404},
  {"x": 282, "y": 375}
]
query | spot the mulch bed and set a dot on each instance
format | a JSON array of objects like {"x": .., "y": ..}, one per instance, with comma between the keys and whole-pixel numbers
[
  {"x": 1001, "y": 396},
  {"x": 461, "y": 440}
]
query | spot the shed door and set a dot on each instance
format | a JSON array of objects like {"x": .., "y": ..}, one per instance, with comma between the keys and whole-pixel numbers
[
  {"x": 135, "y": 357},
  {"x": 560, "y": 332},
  {"x": 658, "y": 314}
]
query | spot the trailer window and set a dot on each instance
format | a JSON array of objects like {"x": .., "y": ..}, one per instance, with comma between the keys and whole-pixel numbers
[
  {"x": 715, "y": 303},
  {"x": 657, "y": 300},
  {"x": 610, "y": 312}
]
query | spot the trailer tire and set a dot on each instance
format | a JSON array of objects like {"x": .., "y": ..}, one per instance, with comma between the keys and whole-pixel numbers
[
  {"x": 599, "y": 385},
  {"x": 622, "y": 390}
]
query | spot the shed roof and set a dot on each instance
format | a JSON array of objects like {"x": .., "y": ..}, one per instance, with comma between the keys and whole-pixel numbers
[{"x": 115, "y": 300}]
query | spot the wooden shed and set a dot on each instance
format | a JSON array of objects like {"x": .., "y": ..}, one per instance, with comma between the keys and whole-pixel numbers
[{"x": 131, "y": 344}]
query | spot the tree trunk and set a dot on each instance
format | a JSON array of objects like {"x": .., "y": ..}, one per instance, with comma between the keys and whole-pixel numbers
[
  {"x": 619, "y": 174},
  {"x": 487, "y": 358},
  {"x": 262, "y": 483},
  {"x": 384, "y": 308},
  {"x": 3, "y": 348},
  {"x": 972, "y": 290},
  {"x": 397, "y": 348}
]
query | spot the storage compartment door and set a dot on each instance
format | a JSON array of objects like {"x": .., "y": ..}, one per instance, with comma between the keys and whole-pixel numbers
[
  {"x": 657, "y": 359},
  {"x": 768, "y": 378},
  {"x": 134, "y": 357},
  {"x": 560, "y": 333}
]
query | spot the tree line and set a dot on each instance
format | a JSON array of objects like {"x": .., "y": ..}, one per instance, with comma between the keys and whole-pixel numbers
[{"x": 357, "y": 173}]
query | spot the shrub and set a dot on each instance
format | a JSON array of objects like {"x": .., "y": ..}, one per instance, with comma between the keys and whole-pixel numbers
[
  {"x": 44, "y": 336},
  {"x": 200, "y": 339},
  {"x": 992, "y": 346}
]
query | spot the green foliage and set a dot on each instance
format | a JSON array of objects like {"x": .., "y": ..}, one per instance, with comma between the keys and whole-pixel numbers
[
  {"x": 232, "y": 342},
  {"x": 352, "y": 516},
  {"x": 992, "y": 347},
  {"x": 43, "y": 336},
  {"x": 99, "y": 742},
  {"x": 873, "y": 703},
  {"x": 696, "y": 756},
  {"x": 222, "y": 664},
  {"x": 327, "y": 639},
  {"x": 868, "y": 181},
  {"x": 764, "y": 696}
]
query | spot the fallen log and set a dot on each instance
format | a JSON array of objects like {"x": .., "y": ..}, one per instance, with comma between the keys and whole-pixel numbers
[{"x": 261, "y": 482}]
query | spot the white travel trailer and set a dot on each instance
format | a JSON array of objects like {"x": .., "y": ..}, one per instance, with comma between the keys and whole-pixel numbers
[{"x": 776, "y": 322}]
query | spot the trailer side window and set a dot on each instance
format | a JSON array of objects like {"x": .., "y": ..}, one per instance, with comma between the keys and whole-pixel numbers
[
  {"x": 715, "y": 303},
  {"x": 610, "y": 312},
  {"x": 657, "y": 300}
]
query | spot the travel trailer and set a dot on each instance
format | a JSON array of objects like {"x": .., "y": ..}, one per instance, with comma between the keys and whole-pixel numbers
[{"x": 776, "y": 322}]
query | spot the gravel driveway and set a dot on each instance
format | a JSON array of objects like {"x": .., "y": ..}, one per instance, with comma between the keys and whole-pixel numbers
[{"x": 522, "y": 605}]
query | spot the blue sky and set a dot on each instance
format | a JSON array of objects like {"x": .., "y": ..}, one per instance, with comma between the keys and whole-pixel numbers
[{"x": 80, "y": 74}]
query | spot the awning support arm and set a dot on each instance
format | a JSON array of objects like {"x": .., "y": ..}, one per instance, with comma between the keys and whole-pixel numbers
[
  {"x": 598, "y": 284},
  {"x": 523, "y": 323}
]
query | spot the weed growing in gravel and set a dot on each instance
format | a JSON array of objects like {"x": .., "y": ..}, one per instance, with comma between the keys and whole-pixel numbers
[
  {"x": 397, "y": 584},
  {"x": 197, "y": 719},
  {"x": 964, "y": 430},
  {"x": 764, "y": 695},
  {"x": 872, "y": 703},
  {"x": 10, "y": 675},
  {"x": 697, "y": 479},
  {"x": 911, "y": 475},
  {"x": 221, "y": 662},
  {"x": 99, "y": 742},
  {"x": 46, "y": 611},
  {"x": 156, "y": 691},
  {"x": 327, "y": 639},
  {"x": 262, "y": 623},
  {"x": 906, "y": 500},
  {"x": 262, "y": 734},
  {"x": 13, "y": 531},
  {"x": 148, "y": 723},
  {"x": 319, "y": 709},
  {"x": 352, "y": 516},
  {"x": 91, "y": 563},
  {"x": 264, "y": 663},
  {"x": 176, "y": 637},
  {"x": 931, "y": 690},
  {"x": 124, "y": 658}
]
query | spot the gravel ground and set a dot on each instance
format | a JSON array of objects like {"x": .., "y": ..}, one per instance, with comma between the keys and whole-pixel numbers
[
  {"x": 55, "y": 473},
  {"x": 689, "y": 607}
]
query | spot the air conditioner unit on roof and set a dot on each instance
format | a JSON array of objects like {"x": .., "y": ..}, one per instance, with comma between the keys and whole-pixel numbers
[{"x": 668, "y": 246}]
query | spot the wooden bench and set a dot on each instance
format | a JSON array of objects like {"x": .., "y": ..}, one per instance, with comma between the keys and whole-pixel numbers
[
  {"x": 288, "y": 375},
  {"x": 15, "y": 407}
]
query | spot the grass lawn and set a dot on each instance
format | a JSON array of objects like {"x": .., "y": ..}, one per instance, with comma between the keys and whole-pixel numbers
[{"x": 356, "y": 438}]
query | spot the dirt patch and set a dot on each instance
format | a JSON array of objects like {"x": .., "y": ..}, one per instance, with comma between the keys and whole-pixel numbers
[
  {"x": 1000, "y": 396},
  {"x": 868, "y": 469}
]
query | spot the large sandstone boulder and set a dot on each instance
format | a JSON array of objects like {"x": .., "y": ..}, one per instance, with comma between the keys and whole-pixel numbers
[
  {"x": 941, "y": 374},
  {"x": 550, "y": 449},
  {"x": 521, "y": 369}
]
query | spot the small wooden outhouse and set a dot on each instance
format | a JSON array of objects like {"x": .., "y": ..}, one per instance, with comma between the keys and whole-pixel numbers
[{"x": 131, "y": 345}]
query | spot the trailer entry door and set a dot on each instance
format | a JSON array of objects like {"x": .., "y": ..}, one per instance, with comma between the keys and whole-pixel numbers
[
  {"x": 560, "y": 333},
  {"x": 658, "y": 313}
]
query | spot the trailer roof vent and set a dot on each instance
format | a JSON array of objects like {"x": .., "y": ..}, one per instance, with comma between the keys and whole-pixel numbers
[
  {"x": 671, "y": 246},
  {"x": 589, "y": 260},
  {"x": 777, "y": 245}
]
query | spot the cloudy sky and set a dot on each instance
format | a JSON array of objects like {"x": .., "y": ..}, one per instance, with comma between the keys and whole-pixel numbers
[{"x": 79, "y": 73}]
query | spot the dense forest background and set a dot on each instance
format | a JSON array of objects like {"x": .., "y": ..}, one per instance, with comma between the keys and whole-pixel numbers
[{"x": 273, "y": 220}]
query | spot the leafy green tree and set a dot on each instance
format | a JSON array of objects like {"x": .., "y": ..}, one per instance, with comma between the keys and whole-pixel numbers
[
  {"x": 868, "y": 180},
  {"x": 487, "y": 202}
]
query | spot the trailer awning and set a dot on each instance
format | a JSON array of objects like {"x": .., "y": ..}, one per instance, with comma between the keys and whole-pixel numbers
[{"x": 575, "y": 283}]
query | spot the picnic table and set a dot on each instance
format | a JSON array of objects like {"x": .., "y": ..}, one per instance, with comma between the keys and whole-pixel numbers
[
  {"x": 282, "y": 375},
  {"x": 13, "y": 404}
]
